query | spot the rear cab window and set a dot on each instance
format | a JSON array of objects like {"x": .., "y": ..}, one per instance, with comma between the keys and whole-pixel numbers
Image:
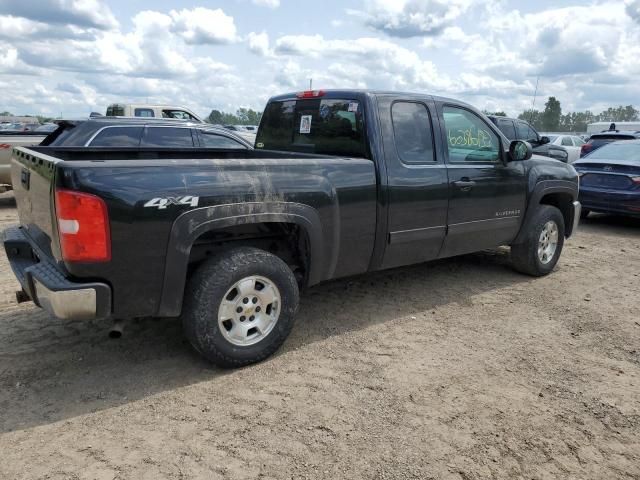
[
  {"x": 144, "y": 112},
  {"x": 331, "y": 126}
]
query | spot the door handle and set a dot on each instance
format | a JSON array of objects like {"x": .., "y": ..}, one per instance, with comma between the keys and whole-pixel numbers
[{"x": 465, "y": 184}]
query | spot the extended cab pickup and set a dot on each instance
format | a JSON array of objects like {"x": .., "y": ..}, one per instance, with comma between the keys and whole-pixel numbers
[{"x": 340, "y": 183}]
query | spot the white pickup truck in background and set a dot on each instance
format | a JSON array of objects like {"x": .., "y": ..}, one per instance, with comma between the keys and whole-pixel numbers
[{"x": 7, "y": 142}]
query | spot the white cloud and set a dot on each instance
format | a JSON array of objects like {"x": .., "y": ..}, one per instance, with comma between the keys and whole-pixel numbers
[
  {"x": 412, "y": 18},
  {"x": 267, "y": 3},
  {"x": 81, "y": 13},
  {"x": 204, "y": 26},
  {"x": 259, "y": 44}
]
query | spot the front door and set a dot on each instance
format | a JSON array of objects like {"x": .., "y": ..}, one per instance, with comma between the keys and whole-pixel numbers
[
  {"x": 417, "y": 186},
  {"x": 486, "y": 195}
]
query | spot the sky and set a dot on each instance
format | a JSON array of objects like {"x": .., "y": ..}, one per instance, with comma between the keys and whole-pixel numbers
[{"x": 71, "y": 57}]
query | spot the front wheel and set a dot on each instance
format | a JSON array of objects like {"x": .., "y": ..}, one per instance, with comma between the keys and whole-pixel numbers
[
  {"x": 539, "y": 253},
  {"x": 240, "y": 306}
]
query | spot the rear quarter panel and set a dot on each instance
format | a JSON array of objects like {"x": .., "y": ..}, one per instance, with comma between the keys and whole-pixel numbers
[{"x": 342, "y": 191}]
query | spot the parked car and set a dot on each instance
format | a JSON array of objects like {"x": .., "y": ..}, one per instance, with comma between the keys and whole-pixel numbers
[
  {"x": 571, "y": 143},
  {"x": 144, "y": 133},
  {"x": 46, "y": 128},
  {"x": 597, "y": 140},
  {"x": 610, "y": 179},
  {"x": 516, "y": 129},
  {"x": 152, "y": 111},
  {"x": 227, "y": 239}
]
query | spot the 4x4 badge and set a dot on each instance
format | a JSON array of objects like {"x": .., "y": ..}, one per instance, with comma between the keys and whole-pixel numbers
[{"x": 163, "y": 203}]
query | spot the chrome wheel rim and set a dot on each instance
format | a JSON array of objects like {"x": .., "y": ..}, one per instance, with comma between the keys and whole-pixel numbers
[
  {"x": 548, "y": 242},
  {"x": 249, "y": 311}
]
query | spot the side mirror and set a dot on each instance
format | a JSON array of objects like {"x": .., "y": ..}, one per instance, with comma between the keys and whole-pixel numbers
[
  {"x": 520, "y": 150},
  {"x": 544, "y": 140}
]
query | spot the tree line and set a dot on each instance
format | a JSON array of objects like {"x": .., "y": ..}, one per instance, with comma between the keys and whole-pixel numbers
[
  {"x": 551, "y": 119},
  {"x": 243, "y": 116}
]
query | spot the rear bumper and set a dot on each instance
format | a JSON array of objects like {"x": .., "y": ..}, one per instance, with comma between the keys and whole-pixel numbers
[
  {"x": 45, "y": 283},
  {"x": 610, "y": 201}
]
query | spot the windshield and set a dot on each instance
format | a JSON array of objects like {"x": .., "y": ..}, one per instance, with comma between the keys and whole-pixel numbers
[
  {"x": 618, "y": 151},
  {"x": 324, "y": 126}
]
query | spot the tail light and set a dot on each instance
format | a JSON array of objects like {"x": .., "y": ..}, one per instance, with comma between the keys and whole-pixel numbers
[
  {"x": 310, "y": 94},
  {"x": 636, "y": 180},
  {"x": 585, "y": 148},
  {"x": 83, "y": 227}
]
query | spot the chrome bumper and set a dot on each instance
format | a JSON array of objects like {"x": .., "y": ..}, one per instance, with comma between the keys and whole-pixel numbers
[{"x": 44, "y": 283}]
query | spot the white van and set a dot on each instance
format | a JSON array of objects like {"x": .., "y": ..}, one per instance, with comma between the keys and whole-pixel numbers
[
  {"x": 151, "y": 111},
  {"x": 598, "y": 127}
]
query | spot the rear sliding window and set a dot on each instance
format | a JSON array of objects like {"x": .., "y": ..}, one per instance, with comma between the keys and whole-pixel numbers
[{"x": 323, "y": 126}]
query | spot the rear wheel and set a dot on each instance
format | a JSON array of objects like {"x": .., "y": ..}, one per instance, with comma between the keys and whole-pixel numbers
[
  {"x": 240, "y": 306},
  {"x": 539, "y": 253}
]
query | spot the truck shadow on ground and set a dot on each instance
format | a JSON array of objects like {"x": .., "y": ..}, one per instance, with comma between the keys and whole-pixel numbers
[
  {"x": 52, "y": 370},
  {"x": 601, "y": 221}
]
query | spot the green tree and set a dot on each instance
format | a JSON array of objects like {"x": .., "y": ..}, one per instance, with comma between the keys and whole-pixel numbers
[
  {"x": 495, "y": 114},
  {"x": 551, "y": 115},
  {"x": 534, "y": 117},
  {"x": 215, "y": 117},
  {"x": 6, "y": 114}
]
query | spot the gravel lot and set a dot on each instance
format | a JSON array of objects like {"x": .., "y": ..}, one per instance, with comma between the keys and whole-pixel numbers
[{"x": 459, "y": 369}]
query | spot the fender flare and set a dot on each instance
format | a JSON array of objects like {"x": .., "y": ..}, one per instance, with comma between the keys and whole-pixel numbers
[
  {"x": 192, "y": 224},
  {"x": 542, "y": 189}
]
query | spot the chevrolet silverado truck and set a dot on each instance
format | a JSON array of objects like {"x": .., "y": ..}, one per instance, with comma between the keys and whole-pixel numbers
[{"x": 340, "y": 183}]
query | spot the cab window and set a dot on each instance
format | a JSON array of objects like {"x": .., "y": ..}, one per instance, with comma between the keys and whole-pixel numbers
[
  {"x": 566, "y": 142},
  {"x": 412, "y": 132},
  {"x": 177, "y": 114},
  {"x": 143, "y": 112},
  {"x": 469, "y": 138}
]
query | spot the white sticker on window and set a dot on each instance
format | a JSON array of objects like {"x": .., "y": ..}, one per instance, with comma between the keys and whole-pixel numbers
[
  {"x": 305, "y": 124},
  {"x": 353, "y": 106}
]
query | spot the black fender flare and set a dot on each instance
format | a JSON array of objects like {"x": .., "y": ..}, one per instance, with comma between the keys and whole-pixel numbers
[
  {"x": 192, "y": 224},
  {"x": 542, "y": 189}
]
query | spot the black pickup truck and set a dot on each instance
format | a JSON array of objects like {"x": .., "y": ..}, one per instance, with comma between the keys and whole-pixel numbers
[{"x": 340, "y": 183}]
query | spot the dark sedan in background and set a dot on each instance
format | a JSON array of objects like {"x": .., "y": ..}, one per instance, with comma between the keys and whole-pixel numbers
[
  {"x": 610, "y": 179},
  {"x": 597, "y": 140}
]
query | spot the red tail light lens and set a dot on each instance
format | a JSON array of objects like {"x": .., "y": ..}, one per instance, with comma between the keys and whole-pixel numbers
[
  {"x": 310, "y": 94},
  {"x": 83, "y": 227},
  {"x": 584, "y": 149}
]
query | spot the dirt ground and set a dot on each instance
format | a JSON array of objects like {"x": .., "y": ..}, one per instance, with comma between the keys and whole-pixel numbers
[{"x": 458, "y": 369}]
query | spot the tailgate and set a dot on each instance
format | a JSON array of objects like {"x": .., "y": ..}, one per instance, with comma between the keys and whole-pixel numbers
[{"x": 32, "y": 176}]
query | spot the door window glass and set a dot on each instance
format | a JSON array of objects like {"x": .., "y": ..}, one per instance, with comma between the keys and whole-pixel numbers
[
  {"x": 213, "y": 140},
  {"x": 578, "y": 142},
  {"x": 469, "y": 139},
  {"x": 118, "y": 137},
  {"x": 412, "y": 132},
  {"x": 167, "y": 137},
  {"x": 566, "y": 142},
  {"x": 523, "y": 130}
]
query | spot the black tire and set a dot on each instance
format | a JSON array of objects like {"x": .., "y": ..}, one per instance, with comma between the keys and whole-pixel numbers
[
  {"x": 584, "y": 213},
  {"x": 206, "y": 290},
  {"x": 524, "y": 256}
]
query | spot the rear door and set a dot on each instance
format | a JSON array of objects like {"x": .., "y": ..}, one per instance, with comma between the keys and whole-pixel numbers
[
  {"x": 486, "y": 195},
  {"x": 417, "y": 188}
]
